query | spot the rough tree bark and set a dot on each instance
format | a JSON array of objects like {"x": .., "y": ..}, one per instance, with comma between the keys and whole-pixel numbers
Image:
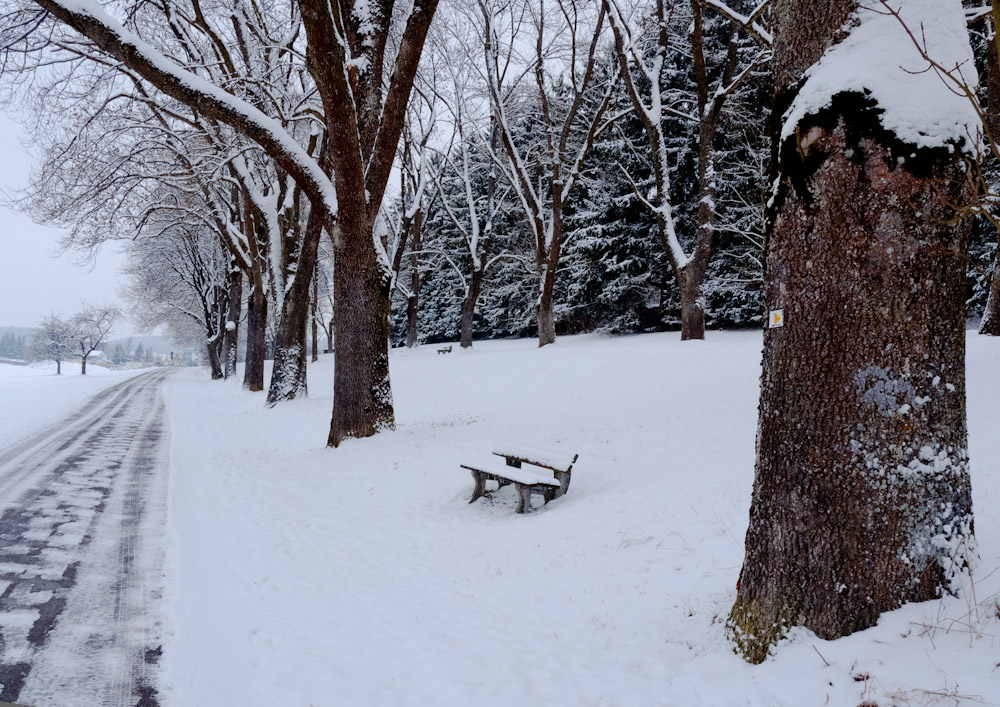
[
  {"x": 253, "y": 373},
  {"x": 861, "y": 497},
  {"x": 361, "y": 331}
]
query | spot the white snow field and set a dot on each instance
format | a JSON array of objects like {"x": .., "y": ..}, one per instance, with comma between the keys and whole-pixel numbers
[
  {"x": 33, "y": 397},
  {"x": 305, "y": 576}
]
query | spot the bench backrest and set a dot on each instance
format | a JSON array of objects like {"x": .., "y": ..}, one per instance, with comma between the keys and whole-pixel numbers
[{"x": 554, "y": 459}]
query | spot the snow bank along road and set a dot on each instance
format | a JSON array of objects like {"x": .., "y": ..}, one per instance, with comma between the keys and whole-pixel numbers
[{"x": 79, "y": 567}]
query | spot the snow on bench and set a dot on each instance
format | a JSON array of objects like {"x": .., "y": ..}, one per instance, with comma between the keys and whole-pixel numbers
[
  {"x": 554, "y": 482},
  {"x": 554, "y": 459},
  {"x": 513, "y": 473},
  {"x": 525, "y": 481}
]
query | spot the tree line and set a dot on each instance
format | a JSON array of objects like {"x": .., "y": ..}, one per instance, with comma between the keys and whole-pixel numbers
[{"x": 12, "y": 346}]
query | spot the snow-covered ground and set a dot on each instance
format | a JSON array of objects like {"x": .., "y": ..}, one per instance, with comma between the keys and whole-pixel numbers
[
  {"x": 32, "y": 397},
  {"x": 300, "y": 575}
]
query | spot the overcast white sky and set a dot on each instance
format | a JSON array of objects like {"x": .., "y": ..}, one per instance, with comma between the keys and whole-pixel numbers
[{"x": 34, "y": 281}]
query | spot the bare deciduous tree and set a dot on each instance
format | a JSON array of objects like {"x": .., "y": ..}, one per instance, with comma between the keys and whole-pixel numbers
[
  {"x": 91, "y": 327},
  {"x": 565, "y": 38},
  {"x": 53, "y": 341}
]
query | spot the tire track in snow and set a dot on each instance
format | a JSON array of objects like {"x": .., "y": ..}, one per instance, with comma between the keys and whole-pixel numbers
[{"x": 77, "y": 579}]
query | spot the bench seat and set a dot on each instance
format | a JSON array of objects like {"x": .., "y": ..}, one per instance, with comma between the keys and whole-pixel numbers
[
  {"x": 526, "y": 481},
  {"x": 530, "y": 477}
]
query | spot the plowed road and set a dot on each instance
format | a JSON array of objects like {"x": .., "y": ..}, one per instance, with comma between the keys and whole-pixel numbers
[{"x": 82, "y": 508}]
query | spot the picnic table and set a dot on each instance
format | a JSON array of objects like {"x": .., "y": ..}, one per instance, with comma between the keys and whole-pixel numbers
[{"x": 548, "y": 473}]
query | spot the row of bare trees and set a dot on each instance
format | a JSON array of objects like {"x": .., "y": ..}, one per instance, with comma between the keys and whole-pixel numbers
[
  {"x": 58, "y": 339},
  {"x": 225, "y": 141}
]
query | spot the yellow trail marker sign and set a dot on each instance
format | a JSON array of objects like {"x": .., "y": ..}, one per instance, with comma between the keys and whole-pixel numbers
[{"x": 777, "y": 319}]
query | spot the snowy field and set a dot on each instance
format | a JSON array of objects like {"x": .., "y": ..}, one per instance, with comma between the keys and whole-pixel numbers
[
  {"x": 33, "y": 397},
  {"x": 300, "y": 575}
]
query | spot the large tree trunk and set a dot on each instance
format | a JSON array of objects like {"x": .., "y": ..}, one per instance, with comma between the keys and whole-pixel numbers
[
  {"x": 362, "y": 397},
  {"x": 234, "y": 305},
  {"x": 469, "y": 306},
  {"x": 861, "y": 497},
  {"x": 253, "y": 374},
  {"x": 413, "y": 301},
  {"x": 83, "y": 365},
  {"x": 288, "y": 374}
]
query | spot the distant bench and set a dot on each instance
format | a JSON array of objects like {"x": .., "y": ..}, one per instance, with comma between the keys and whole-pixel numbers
[
  {"x": 550, "y": 476},
  {"x": 444, "y": 349}
]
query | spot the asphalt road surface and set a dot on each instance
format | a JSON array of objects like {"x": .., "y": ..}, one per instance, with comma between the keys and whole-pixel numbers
[{"x": 82, "y": 508}]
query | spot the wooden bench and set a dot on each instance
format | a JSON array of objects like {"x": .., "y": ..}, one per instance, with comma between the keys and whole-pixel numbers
[
  {"x": 549, "y": 473},
  {"x": 444, "y": 349},
  {"x": 556, "y": 461},
  {"x": 526, "y": 481}
]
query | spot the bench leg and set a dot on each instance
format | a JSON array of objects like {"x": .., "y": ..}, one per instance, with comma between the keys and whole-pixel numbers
[
  {"x": 523, "y": 497},
  {"x": 480, "y": 488},
  {"x": 563, "y": 478}
]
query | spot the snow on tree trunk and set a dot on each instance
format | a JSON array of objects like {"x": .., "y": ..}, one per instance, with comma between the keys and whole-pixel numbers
[
  {"x": 230, "y": 345},
  {"x": 213, "y": 348},
  {"x": 861, "y": 497},
  {"x": 288, "y": 377}
]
